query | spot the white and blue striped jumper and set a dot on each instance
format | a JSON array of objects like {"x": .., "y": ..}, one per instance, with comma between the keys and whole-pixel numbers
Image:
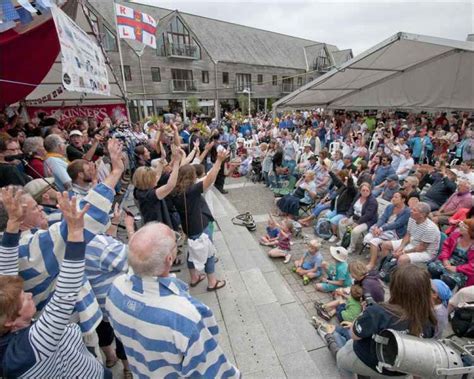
[
  {"x": 41, "y": 253},
  {"x": 106, "y": 258},
  {"x": 49, "y": 347},
  {"x": 166, "y": 332}
]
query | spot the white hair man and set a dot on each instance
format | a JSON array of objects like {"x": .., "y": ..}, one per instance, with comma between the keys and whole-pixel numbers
[
  {"x": 421, "y": 242},
  {"x": 157, "y": 320}
]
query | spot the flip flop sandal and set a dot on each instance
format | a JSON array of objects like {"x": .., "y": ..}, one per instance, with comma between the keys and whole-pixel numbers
[
  {"x": 109, "y": 363},
  {"x": 127, "y": 374},
  {"x": 219, "y": 285},
  {"x": 201, "y": 278}
]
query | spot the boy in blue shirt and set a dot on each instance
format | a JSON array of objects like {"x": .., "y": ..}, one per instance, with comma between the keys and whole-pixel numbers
[
  {"x": 337, "y": 271},
  {"x": 309, "y": 266}
]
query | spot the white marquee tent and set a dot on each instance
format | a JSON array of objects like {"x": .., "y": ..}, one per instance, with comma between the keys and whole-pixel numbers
[{"x": 406, "y": 71}]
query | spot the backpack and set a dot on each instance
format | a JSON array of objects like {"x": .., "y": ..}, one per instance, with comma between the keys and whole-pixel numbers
[
  {"x": 346, "y": 238},
  {"x": 463, "y": 321},
  {"x": 323, "y": 228},
  {"x": 389, "y": 264}
]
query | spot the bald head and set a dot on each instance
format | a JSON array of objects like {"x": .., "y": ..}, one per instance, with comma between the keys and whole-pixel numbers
[{"x": 152, "y": 250}]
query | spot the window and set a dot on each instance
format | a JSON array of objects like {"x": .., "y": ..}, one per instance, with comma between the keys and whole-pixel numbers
[
  {"x": 182, "y": 80},
  {"x": 176, "y": 41},
  {"x": 225, "y": 78},
  {"x": 128, "y": 73},
  {"x": 110, "y": 43},
  {"x": 243, "y": 81},
  {"x": 274, "y": 80},
  {"x": 155, "y": 74},
  {"x": 260, "y": 79},
  {"x": 300, "y": 81},
  {"x": 205, "y": 76}
]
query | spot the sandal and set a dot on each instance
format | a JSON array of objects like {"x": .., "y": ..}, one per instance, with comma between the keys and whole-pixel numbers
[
  {"x": 306, "y": 280},
  {"x": 109, "y": 363},
  {"x": 201, "y": 278},
  {"x": 127, "y": 374},
  {"x": 219, "y": 285}
]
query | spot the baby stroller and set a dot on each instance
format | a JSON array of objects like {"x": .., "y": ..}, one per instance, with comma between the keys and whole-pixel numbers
[{"x": 255, "y": 172}]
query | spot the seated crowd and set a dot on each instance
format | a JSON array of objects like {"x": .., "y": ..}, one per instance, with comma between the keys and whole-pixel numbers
[{"x": 396, "y": 186}]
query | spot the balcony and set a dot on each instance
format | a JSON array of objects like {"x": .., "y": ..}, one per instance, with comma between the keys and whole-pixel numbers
[
  {"x": 183, "y": 85},
  {"x": 288, "y": 87},
  {"x": 182, "y": 51},
  {"x": 240, "y": 88}
]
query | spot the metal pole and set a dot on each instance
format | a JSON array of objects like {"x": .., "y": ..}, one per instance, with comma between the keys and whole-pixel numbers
[
  {"x": 139, "y": 54},
  {"x": 216, "y": 95},
  {"x": 121, "y": 62},
  {"x": 250, "y": 113},
  {"x": 184, "y": 110}
]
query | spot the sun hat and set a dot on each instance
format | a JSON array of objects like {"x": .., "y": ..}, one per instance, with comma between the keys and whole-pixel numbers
[
  {"x": 338, "y": 253},
  {"x": 37, "y": 187}
]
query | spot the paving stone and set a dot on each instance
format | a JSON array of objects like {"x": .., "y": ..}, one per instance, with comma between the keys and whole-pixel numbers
[
  {"x": 299, "y": 365},
  {"x": 279, "y": 287},
  {"x": 302, "y": 296},
  {"x": 274, "y": 372},
  {"x": 224, "y": 342},
  {"x": 290, "y": 279},
  {"x": 279, "y": 329},
  {"x": 301, "y": 323},
  {"x": 258, "y": 287},
  {"x": 325, "y": 362}
]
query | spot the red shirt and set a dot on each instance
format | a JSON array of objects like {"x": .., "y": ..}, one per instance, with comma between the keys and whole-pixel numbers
[{"x": 37, "y": 168}]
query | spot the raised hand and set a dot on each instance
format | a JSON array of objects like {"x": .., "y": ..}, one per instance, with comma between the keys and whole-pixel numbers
[
  {"x": 12, "y": 202},
  {"x": 222, "y": 155},
  {"x": 114, "y": 147},
  {"x": 117, "y": 214},
  {"x": 196, "y": 143},
  {"x": 210, "y": 145},
  {"x": 73, "y": 216}
]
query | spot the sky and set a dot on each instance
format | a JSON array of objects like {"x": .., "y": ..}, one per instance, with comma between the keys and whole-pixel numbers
[{"x": 347, "y": 24}]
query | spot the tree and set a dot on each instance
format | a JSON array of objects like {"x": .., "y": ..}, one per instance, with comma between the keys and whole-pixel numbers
[{"x": 193, "y": 105}]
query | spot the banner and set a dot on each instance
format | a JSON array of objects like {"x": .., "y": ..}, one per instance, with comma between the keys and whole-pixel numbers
[
  {"x": 133, "y": 24},
  {"x": 66, "y": 115},
  {"x": 83, "y": 64}
]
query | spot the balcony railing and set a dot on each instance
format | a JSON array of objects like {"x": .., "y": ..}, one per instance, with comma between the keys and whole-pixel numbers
[
  {"x": 288, "y": 87},
  {"x": 243, "y": 87},
  {"x": 182, "y": 51},
  {"x": 183, "y": 85}
]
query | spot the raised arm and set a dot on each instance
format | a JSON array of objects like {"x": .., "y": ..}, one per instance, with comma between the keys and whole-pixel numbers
[
  {"x": 163, "y": 191},
  {"x": 9, "y": 246},
  {"x": 212, "y": 175},
  {"x": 46, "y": 333},
  {"x": 115, "y": 150}
]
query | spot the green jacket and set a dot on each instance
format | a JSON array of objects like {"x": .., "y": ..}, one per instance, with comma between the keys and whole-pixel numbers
[{"x": 353, "y": 309}]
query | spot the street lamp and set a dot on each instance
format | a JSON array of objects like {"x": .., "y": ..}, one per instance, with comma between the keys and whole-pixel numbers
[
  {"x": 247, "y": 90},
  {"x": 139, "y": 54}
]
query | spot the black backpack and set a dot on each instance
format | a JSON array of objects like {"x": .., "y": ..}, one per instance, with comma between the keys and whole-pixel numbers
[{"x": 463, "y": 321}]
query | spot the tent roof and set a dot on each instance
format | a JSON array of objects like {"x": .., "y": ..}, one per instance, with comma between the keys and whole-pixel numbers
[
  {"x": 53, "y": 80},
  {"x": 406, "y": 71}
]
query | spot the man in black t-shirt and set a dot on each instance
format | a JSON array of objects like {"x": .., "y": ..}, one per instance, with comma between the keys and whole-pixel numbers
[{"x": 78, "y": 150}]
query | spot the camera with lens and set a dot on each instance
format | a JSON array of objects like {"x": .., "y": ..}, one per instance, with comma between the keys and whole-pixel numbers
[{"x": 369, "y": 300}]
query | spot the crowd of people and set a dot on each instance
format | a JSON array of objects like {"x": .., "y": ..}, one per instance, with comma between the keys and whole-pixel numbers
[{"x": 396, "y": 185}]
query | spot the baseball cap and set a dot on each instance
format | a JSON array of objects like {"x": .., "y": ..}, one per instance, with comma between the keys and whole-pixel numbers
[{"x": 75, "y": 133}]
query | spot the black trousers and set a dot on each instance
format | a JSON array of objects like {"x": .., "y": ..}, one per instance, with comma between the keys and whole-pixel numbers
[
  {"x": 106, "y": 337},
  {"x": 220, "y": 179}
]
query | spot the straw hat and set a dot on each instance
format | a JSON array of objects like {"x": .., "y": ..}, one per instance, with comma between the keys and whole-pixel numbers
[{"x": 338, "y": 253}]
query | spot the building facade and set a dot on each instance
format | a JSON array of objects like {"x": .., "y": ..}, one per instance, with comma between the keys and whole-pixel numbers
[{"x": 215, "y": 62}]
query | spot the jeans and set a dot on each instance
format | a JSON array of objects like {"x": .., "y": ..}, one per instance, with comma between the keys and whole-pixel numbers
[
  {"x": 319, "y": 208},
  {"x": 334, "y": 218},
  {"x": 339, "y": 309},
  {"x": 210, "y": 265},
  {"x": 290, "y": 164},
  {"x": 341, "y": 336}
]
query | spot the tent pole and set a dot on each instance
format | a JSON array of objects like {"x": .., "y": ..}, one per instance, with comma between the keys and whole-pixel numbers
[{"x": 121, "y": 63}]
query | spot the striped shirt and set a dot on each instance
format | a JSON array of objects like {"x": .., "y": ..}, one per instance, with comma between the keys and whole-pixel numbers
[
  {"x": 106, "y": 258},
  {"x": 49, "y": 347},
  {"x": 427, "y": 232},
  {"x": 41, "y": 253},
  {"x": 166, "y": 332}
]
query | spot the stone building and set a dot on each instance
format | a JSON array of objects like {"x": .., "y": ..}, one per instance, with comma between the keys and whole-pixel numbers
[{"x": 214, "y": 61}]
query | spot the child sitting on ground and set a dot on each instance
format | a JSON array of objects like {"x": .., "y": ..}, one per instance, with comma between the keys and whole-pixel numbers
[
  {"x": 309, "y": 266},
  {"x": 441, "y": 294},
  {"x": 282, "y": 242},
  {"x": 345, "y": 307},
  {"x": 270, "y": 239},
  {"x": 337, "y": 272}
]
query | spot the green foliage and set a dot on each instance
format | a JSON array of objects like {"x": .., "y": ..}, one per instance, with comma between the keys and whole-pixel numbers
[{"x": 193, "y": 105}]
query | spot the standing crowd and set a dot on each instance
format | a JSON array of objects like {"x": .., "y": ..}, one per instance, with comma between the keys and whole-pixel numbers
[{"x": 394, "y": 185}]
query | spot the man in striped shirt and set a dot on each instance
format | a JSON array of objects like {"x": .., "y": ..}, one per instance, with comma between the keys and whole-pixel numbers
[
  {"x": 42, "y": 248},
  {"x": 421, "y": 242},
  {"x": 165, "y": 331},
  {"x": 49, "y": 347}
]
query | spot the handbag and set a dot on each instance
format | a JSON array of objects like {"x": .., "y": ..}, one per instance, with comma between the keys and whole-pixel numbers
[
  {"x": 245, "y": 219},
  {"x": 346, "y": 238},
  {"x": 201, "y": 248}
]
